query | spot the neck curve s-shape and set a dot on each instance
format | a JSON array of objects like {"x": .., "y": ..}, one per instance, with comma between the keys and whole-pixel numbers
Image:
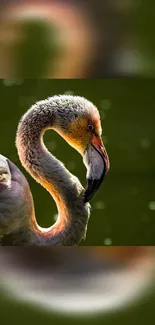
[{"x": 71, "y": 225}]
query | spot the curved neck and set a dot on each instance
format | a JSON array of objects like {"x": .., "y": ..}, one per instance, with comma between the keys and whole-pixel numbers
[{"x": 65, "y": 188}]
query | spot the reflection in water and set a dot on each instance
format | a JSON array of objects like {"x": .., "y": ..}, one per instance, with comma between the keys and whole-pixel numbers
[{"x": 77, "y": 280}]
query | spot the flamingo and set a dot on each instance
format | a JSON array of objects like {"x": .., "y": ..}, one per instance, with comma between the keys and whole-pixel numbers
[{"x": 77, "y": 120}]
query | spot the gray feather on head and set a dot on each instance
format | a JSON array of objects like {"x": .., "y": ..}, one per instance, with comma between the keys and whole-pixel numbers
[{"x": 69, "y": 108}]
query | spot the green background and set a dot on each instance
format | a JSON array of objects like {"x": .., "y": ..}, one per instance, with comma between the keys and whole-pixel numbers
[
  {"x": 142, "y": 313},
  {"x": 123, "y": 210}
]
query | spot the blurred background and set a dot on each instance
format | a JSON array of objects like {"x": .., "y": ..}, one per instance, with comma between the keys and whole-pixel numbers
[
  {"x": 114, "y": 285},
  {"x": 84, "y": 39},
  {"x": 123, "y": 210},
  {"x": 76, "y": 39}
]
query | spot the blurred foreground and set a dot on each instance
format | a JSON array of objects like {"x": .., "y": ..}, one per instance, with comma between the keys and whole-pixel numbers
[
  {"x": 76, "y": 39},
  {"x": 76, "y": 281}
]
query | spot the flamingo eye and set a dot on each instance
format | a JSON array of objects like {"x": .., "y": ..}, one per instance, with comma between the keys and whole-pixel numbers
[{"x": 90, "y": 127}]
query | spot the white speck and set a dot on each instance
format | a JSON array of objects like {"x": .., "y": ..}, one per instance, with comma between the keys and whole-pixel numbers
[
  {"x": 145, "y": 143},
  {"x": 108, "y": 241},
  {"x": 8, "y": 82},
  {"x": 105, "y": 104},
  {"x": 11, "y": 82},
  {"x": 102, "y": 114},
  {"x": 105, "y": 139},
  {"x": 126, "y": 5},
  {"x": 129, "y": 60},
  {"x": 151, "y": 205},
  {"x": 55, "y": 217},
  {"x": 52, "y": 145},
  {"x": 99, "y": 205},
  {"x": 69, "y": 92}
]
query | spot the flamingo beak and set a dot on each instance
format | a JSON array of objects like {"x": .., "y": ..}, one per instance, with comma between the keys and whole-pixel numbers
[{"x": 97, "y": 163}]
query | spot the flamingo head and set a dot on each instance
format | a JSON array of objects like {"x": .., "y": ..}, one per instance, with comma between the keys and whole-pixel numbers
[{"x": 81, "y": 128}]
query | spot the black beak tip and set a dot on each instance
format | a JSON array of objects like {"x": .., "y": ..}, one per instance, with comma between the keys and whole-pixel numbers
[
  {"x": 92, "y": 187},
  {"x": 87, "y": 197}
]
